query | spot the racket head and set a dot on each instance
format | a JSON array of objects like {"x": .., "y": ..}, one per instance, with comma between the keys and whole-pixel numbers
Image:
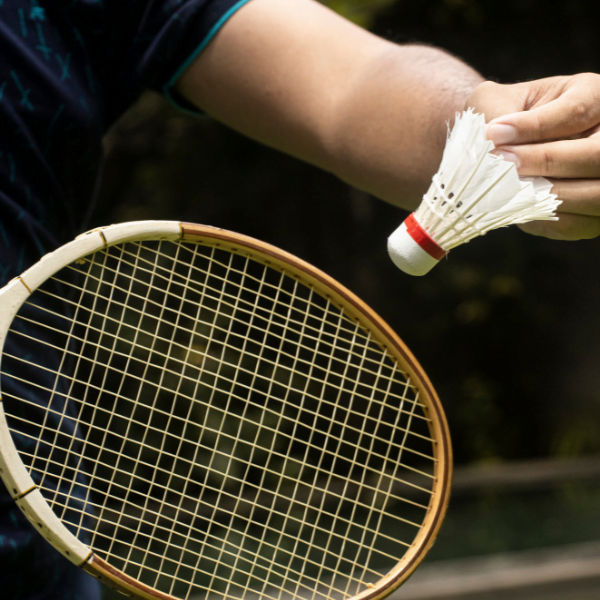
[{"x": 47, "y": 514}]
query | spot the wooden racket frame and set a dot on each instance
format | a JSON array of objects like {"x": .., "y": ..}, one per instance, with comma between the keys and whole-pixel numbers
[{"x": 28, "y": 496}]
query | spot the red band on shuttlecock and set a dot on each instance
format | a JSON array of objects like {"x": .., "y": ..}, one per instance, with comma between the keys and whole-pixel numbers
[{"x": 420, "y": 236}]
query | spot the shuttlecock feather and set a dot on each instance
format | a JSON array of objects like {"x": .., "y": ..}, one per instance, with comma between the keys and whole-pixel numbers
[{"x": 473, "y": 192}]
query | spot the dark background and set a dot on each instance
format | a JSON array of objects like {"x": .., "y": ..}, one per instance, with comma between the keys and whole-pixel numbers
[{"x": 507, "y": 327}]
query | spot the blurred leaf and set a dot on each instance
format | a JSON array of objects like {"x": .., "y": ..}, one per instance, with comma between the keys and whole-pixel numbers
[
  {"x": 361, "y": 12},
  {"x": 469, "y": 11},
  {"x": 579, "y": 435}
]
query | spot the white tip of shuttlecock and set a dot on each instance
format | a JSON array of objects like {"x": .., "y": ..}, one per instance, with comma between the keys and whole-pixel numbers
[
  {"x": 412, "y": 250},
  {"x": 407, "y": 255},
  {"x": 473, "y": 192}
]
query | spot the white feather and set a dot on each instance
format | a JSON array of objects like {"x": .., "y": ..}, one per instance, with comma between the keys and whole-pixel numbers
[{"x": 473, "y": 192}]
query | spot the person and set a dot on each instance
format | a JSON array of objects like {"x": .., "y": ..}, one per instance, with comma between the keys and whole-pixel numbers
[{"x": 292, "y": 75}]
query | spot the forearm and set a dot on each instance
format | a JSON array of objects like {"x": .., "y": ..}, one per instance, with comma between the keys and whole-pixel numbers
[
  {"x": 297, "y": 77},
  {"x": 391, "y": 126}
]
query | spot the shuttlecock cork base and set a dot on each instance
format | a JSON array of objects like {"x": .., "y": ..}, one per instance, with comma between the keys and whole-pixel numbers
[
  {"x": 412, "y": 250},
  {"x": 473, "y": 192}
]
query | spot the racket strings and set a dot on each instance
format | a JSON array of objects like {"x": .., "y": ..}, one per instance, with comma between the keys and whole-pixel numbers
[
  {"x": 246, "y": 532},
  {"x": 153, "y": 406},
  {"x": 187, "y": 540},
  {"x": 193, "y": 379},
  {"x": 173, "y": 512},
  {"x": 69, "y": 343},
  {"x": 310, "y": 349},
  {"x": 363, "y": 542},
  {"x": 184, "y": 363},
  {"x": 315, "y": 312},
  {"x": 188, "y": 422},
  {"x": 100, "y": 531},
  {"x": 340, "y": 553},
  {"x": 259, "y": 485},
  {"x": 234, "y": 553},
  {"x": 309, "y": 338},
  {"x": 367, "y": 486},
  {"x": 240, "y": 303},
  {"x": 287, "y": 515}
]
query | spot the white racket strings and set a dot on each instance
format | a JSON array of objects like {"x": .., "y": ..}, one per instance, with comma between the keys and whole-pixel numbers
[{"x": 236, "y": 433}]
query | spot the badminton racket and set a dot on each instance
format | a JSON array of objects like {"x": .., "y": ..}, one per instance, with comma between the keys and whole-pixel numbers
[{"x": 191, "y": 413}]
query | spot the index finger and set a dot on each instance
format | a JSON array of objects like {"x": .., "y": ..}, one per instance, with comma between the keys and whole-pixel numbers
[{"x": 572, "y": 113}]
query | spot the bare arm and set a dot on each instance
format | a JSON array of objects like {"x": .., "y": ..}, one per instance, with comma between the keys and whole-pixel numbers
[{"x": 299, "y": 78}]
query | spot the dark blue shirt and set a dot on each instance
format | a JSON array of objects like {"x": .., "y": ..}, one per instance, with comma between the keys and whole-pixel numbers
[{"x": 68, "y": 70}]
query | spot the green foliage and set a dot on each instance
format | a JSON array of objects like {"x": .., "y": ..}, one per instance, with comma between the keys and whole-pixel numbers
[
  {"x": 446, "y": 12},
  {"x": 361, "y": 12},
  {"x": 578, "y": 434}
]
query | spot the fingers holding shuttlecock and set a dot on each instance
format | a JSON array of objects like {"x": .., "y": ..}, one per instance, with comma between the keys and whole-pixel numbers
[{"x": 473, "y": 192}]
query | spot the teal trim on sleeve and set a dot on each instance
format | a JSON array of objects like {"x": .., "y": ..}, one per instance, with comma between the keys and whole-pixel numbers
[{"x": 205, "y": 42}]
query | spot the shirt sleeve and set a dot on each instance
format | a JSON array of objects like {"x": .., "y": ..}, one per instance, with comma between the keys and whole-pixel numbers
[{"x": 171, "y": 34}]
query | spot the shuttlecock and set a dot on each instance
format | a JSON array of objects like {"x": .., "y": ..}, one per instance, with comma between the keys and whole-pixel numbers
[{"x": 473, "y": 192}]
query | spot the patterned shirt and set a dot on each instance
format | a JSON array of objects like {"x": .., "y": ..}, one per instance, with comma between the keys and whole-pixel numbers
[{"x": 68, "y": 70}]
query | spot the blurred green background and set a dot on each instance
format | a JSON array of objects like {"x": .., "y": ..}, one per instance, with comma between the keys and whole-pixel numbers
[{"x": 507, "y": 327}]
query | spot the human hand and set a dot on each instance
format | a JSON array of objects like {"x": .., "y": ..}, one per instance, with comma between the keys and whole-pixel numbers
[{"x": 551, "y": 128}]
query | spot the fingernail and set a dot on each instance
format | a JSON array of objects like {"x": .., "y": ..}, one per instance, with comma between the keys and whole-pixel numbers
[
  {"x": 509, "y": 156},
  {"x": 502, "y": 134}
]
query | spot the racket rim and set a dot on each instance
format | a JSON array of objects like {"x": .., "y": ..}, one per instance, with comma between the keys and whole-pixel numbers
[{"x": 27, "y": 494}]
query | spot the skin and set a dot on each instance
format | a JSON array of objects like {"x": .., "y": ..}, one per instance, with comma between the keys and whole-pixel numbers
[
  {"x": 297, "y": 77},
  {"x": 551, "y": 127}
]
